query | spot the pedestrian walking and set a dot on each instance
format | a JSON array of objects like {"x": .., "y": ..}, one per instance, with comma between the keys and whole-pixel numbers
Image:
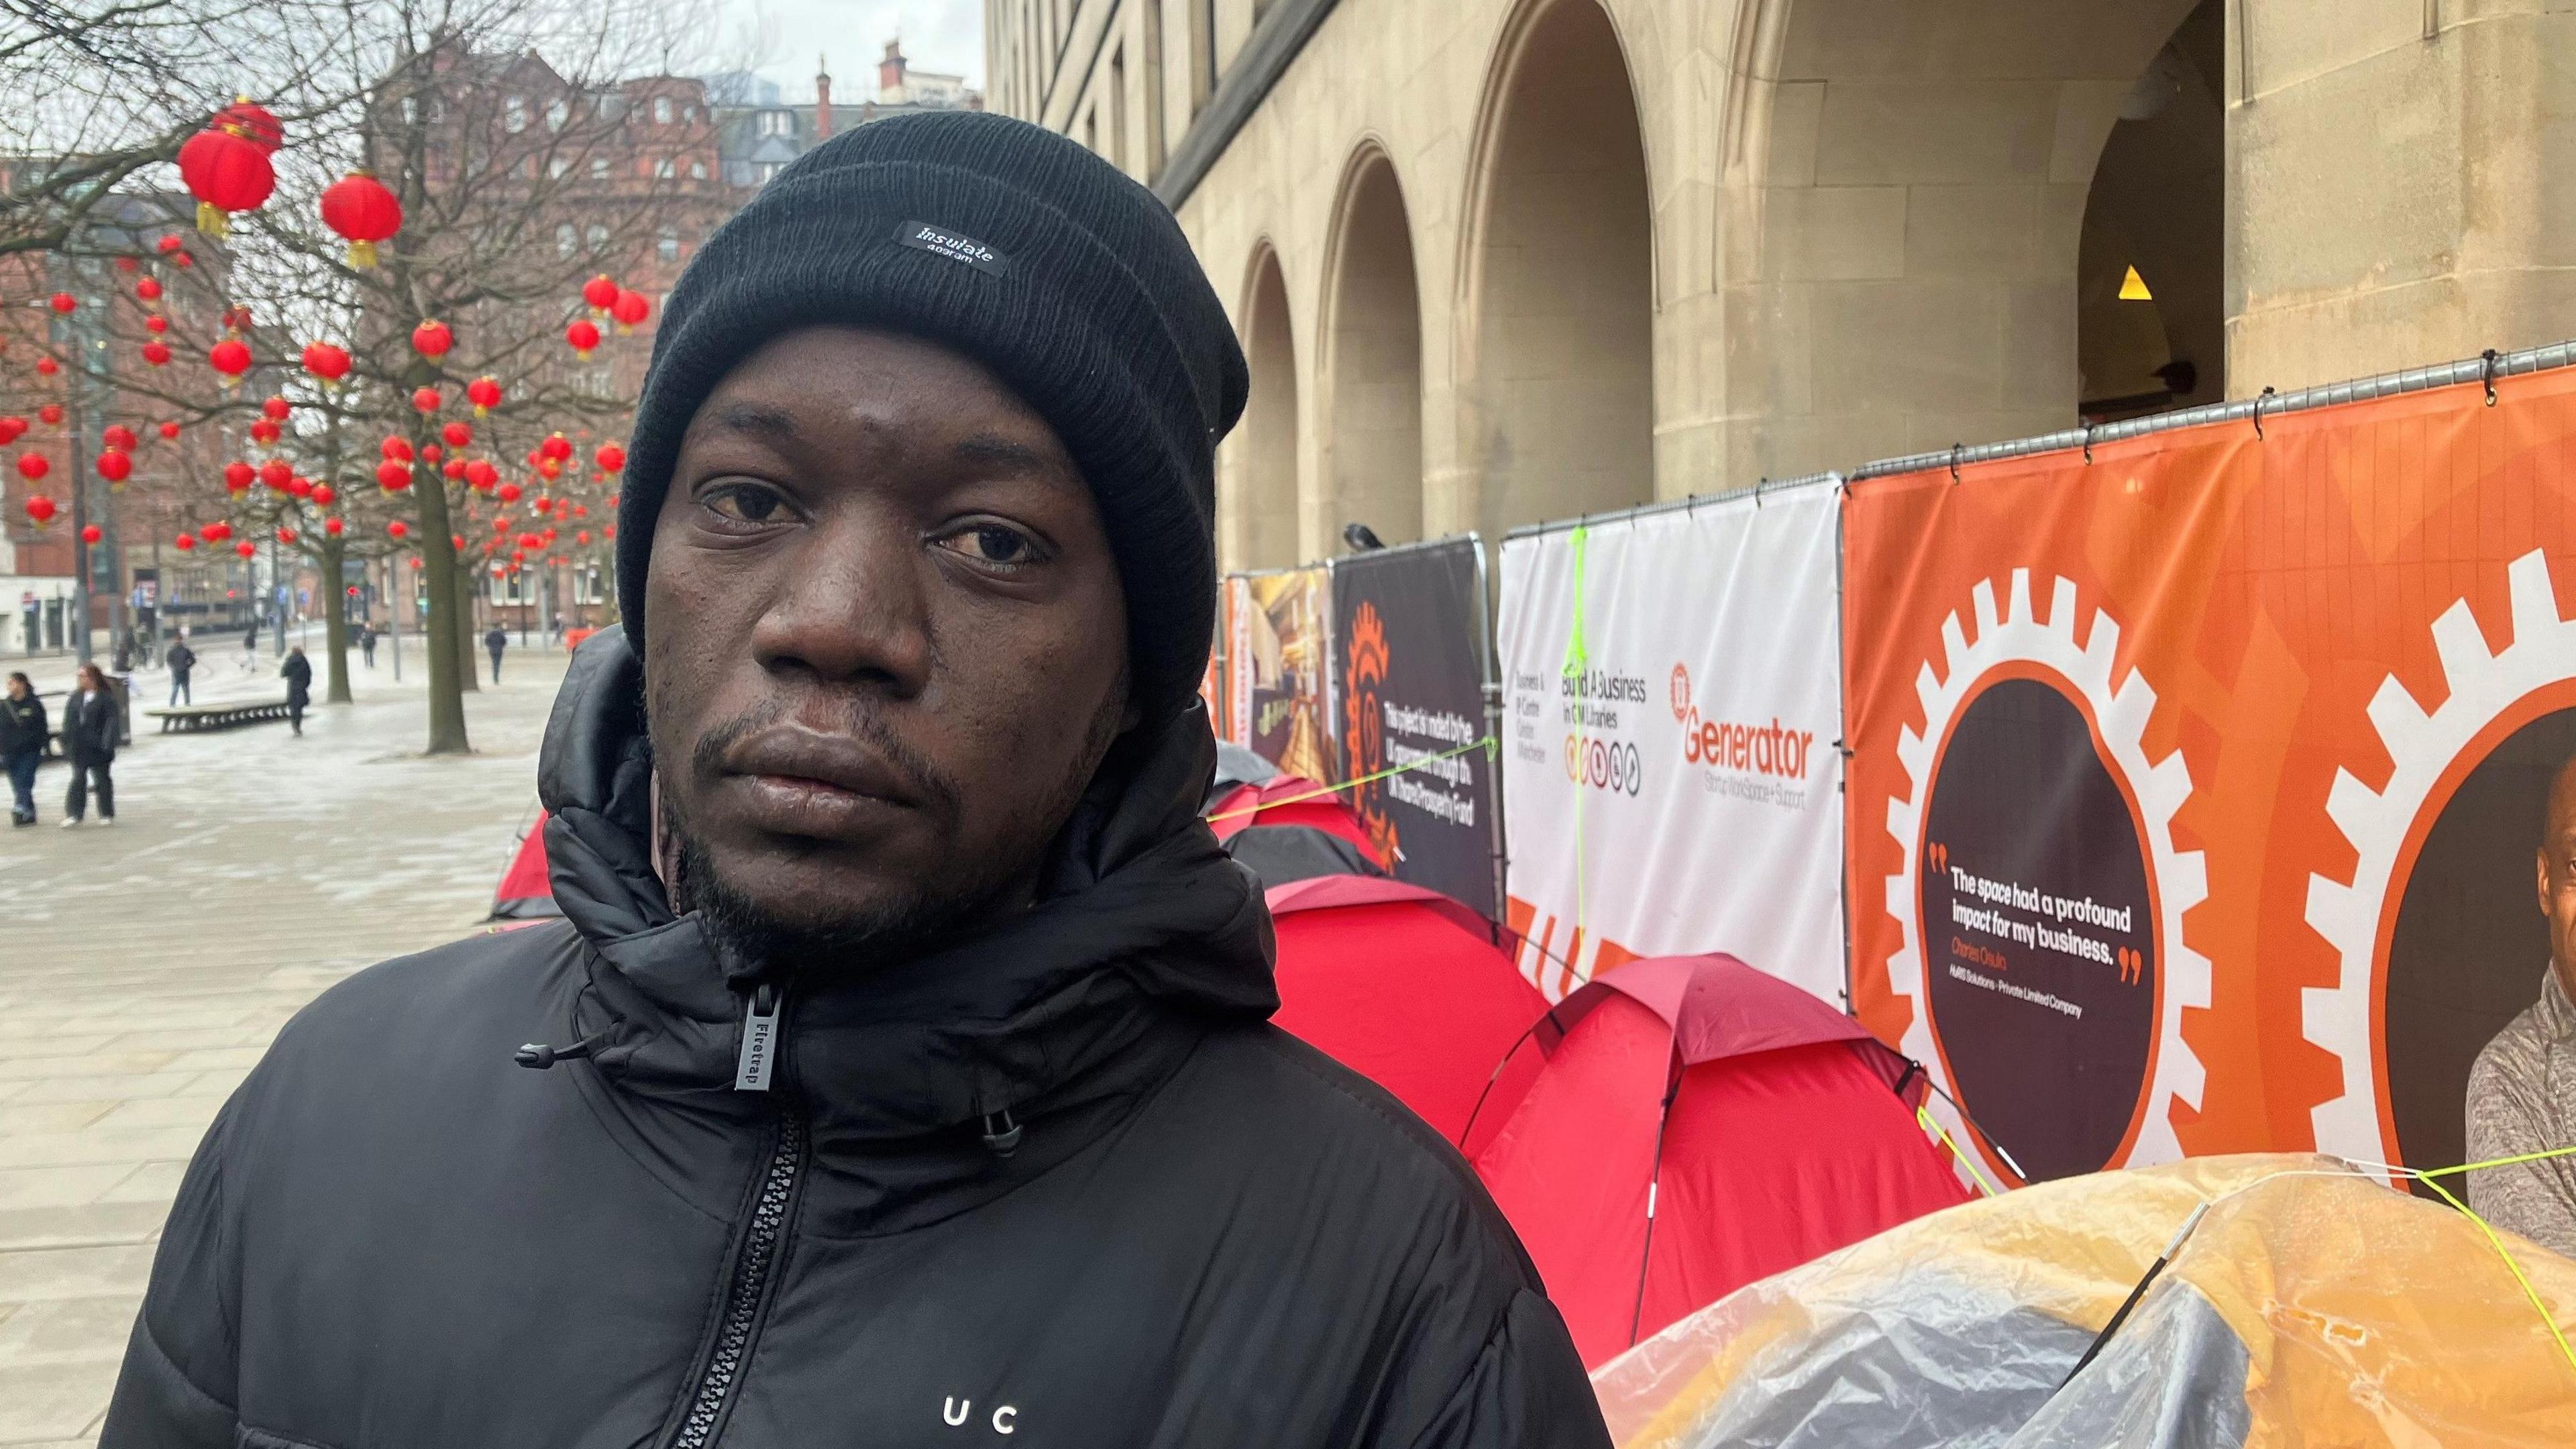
[
  {"x": 938, "y": 1080},
  {"x": 89, "y": 738},
  {"x": 298, "y": 673},
  {"x": 250, "y": 646},
  {"x": 367, "y": 644},
  {"x": 181, "y": 659},
  {"x": 24, "y": 733},
  {"x": 496, "y": 641}
]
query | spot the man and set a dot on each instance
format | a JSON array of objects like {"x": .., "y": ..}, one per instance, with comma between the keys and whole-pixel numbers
[
  {"x": 181, "y": 659},
  {"x": 494, "y": 642},
  {"x": 23, "y": 733},
  {"x": 297, "y": 671},
  {"x": 907, "y": 1072},
  {"x": 367, "y": 643},
  {"x": 90, "y": 721},
  {"x": 2522, "y": 1089}
]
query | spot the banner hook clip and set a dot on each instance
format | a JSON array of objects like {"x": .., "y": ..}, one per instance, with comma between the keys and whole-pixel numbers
[
  {"x": 2487, "y": 364},
  {"x": 1956, "y": 449},
  {"x": 2258, "y": 410}
]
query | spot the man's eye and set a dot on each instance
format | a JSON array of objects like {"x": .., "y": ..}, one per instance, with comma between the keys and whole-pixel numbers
[
  {"x": 743, "y": 503},
  {"x": 993, "y": 543}
]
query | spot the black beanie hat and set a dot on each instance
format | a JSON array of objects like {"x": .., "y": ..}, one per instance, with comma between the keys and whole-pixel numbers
[{"x": 1018, "y": 248}]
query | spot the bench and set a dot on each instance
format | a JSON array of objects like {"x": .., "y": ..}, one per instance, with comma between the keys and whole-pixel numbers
[{"x": 217, "y": 716}]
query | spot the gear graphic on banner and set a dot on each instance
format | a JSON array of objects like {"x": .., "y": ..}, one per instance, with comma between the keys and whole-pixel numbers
[
  {"x": 2041, "y": 897},
  {"x": 2484, "y": 686}
]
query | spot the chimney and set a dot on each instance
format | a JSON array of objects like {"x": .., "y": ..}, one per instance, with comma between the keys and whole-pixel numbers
[
  {"x": 822, "y": 98},
  {"x": 890, "y": 74}
]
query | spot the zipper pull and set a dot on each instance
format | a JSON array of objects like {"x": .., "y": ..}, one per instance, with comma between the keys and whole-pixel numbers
[{"x": 759, "y": 1039}]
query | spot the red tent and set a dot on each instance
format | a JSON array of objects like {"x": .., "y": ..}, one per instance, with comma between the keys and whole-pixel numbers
[
  {"x": 1696, "y": 1125},
  {"x": 1402, "y": 985},
  {"x": 1288, "y": 829},
  {"x": 525, "y": 894}
]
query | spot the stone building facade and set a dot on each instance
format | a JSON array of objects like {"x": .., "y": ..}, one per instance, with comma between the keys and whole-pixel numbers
[{"x": 1502, "y": 260}]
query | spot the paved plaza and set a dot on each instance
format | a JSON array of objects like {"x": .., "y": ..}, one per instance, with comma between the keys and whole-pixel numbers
[{"x": 144, "y": 968}]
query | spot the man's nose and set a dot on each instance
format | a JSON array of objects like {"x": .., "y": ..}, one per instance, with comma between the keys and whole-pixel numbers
[{"x": 851, "y": 607}]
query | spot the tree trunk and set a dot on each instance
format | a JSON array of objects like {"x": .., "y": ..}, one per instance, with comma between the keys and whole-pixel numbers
[
  {"x": 447, "y": 685},
  {"x": 335, "y": 627},
  {"x": 467, "y": 584}
]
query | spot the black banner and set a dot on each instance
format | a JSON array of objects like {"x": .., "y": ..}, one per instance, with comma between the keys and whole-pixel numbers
[{"x": 1408, "y": 656}]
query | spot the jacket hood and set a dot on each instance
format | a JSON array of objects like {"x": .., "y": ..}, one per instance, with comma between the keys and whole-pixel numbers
[{"x": 1144, "y": 927}]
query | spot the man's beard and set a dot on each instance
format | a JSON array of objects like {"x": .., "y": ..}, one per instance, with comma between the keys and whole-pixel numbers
[{"x": 922, "y": 916}]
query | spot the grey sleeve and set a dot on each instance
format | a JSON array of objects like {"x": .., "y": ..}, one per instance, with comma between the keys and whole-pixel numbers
[{"x": 2508, "y": 1116}]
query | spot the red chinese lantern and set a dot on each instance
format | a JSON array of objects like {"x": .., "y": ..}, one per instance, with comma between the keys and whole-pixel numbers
[
  {"x": 358, "y": 207},
  {"x": 457, "y": 434},
  {"x": 397, "y": 529},
  {"x": 157, "y": 352},
  {"x": 183, "y": 260},
  {"x": 264, "y": 431},
  {"x": 40, "y": 509},
  {"x": 300, "y": 486},
  {"x": 425, "y": 399},
  {"x": 47, "y": 367},
  {"x": 226, "y": 165},
  {"x": 170, "y": 429},
  {"x": 115, "y": 466},
  {"x": 456, "y": 542},
  {"x": 507, "y": 493},
  {"x": 185, "y": 542},
  {"x": 542, "y": 505},
  {"x": 91, "y": 533},
  {"x": 583, "y": 335},
  {"x": 481, "y": 474},
  {"x": 156, "y": 324},
  {"x": 600, "y": 292},
  {"x": 550, "y": 467},
  {"x": 169, "y": 244},
  {"x": 32, "y": 466},
  {"x": 11, "y": 430},
  {"x": 556, "y": 446},
  {"x": 393, "y": 477},
  {"x": 276, "y": 474},
  {"x": 51, "y": 414},
  {"x": 237, "y": 477},
  {"x": 630, "y": 309},
  {"x": 453, "y": 468},
  {"x": 324, "y": 495},
  {"x": 63, "y": 302},
  {"x": 126, "y": 264},
  {"x": 610, "y": 531},
  {"x": 331, "y": 526},
  {"x": 118, "y": 436},
  {"x": 610, "y": 458},
  {"x": 276, "y": 407},
  {"x": 582, "y": 537},
  {"x": 237, "y": 318},
  {"x": 148, "y": 289},
  {"x": 484, "y": 393},
  {"x": 396, "y": 449},
  {"x": 286, "y": 535},
  {"x": 415, "y": 563},
  {"x": 231, "y": 357},
  {"x": 580, "y": 510},
  {"x": 218, "y": 530},
  {"x": 245, "y": 548},
  {"x": 326, "y": 362},
  {"x": 432, "y": 339}
]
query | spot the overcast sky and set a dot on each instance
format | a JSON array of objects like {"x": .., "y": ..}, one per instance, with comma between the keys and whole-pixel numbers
[{"x": 785, "y": 36}]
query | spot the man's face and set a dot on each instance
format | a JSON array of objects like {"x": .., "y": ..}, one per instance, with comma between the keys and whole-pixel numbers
[
  {"x": 886, "y": 645},
  {"x": 2558, "y": 875}
]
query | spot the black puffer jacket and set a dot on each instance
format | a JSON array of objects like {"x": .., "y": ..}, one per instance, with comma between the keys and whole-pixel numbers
[{"x": 1061, "y": 1181}]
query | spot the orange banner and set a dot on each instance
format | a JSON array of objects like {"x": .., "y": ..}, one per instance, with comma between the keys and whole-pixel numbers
[{"x": 2196, "y": 787}]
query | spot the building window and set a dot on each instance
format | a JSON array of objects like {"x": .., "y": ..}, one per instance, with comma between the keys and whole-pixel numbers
[
  {"x": 665, "y": 169},
  {"x": 777, "y": 123},
  {"x": 567, "y": 240},
  {"x": 557, "y": 113},
  {"x": 661, "y": 110},
  {"x": 557, "y": 167},
  {"x": 689, "y": 114},
  {"x": 697, "y": 171},
  {"x": 514, "y": 114},
  {"x": 598, "y": 237},
  {"x": 668, "y": 246},
  {"x": 411, "y": 110},
  {"x": 764, "y": 172},
  {"x": 599, "y": 168}
]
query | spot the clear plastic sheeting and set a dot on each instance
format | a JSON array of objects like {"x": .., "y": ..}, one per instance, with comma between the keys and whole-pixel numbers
[{"x": 2310, "y": 1306}]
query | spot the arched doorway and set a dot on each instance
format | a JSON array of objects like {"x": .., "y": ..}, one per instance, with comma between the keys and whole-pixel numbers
[
  {"x": 2150, "y": 283},
  {"x": 1907, "y": 189},
  {"x": 1373, "y": 364},
  {"x": 1560, "y": 404},
  {"x": 1260, "y": 508}
]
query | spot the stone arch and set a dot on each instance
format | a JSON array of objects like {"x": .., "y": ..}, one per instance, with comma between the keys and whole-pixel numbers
[
  {"x": 1371, "y": 377},
  {"x": 1906, "y": 186},
  {"x": 1259, "y": 511},
  {"x": 1556, "y": 365}
]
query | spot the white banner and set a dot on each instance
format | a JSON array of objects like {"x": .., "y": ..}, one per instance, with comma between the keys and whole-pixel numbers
[{"x": 1671, "y": 766}]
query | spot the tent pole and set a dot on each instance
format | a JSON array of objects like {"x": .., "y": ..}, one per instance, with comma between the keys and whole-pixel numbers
[{"x": 1654, "y": 1185}]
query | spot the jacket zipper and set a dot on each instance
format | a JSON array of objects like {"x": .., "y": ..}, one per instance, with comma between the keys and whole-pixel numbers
[{"x": 751, "y": 1268}]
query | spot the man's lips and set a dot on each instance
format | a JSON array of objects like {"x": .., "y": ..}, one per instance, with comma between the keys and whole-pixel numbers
[{"x": 802, "y": 783}]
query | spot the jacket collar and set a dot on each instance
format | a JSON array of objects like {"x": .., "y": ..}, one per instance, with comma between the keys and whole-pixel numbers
[{"x": 1143, "y": 923}]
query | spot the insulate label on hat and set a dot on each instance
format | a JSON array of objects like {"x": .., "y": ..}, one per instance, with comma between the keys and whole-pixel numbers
[{"x": 956, "y": 246}]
